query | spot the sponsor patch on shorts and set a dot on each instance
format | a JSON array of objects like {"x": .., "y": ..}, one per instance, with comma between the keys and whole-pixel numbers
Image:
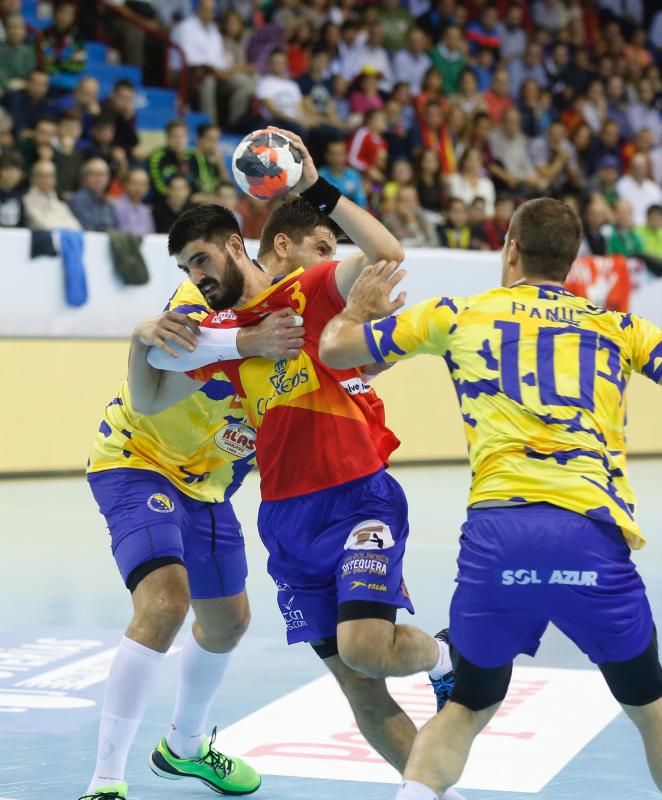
[
  {"x": 561, "y": 577},
  {"x": 365, "y": 564},
  {"x": 371, "y": 534}
]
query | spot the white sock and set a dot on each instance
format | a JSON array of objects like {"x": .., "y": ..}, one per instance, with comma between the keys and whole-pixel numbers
[
  {"x": 200, "y": 675},
  {"x": 413, "y": 790},
  {"x": 444, "y": 663},
  {"x": 128, "y": 690}
]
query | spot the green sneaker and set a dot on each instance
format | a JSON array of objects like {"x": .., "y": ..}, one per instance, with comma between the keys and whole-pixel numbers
[
  {"x": 221, "y": 773},
  {"x": 116, "y": 791}
]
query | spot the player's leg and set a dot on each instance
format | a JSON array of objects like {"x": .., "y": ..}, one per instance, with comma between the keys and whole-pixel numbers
[
  {"x": 143, "y": 520},
  {"x": 379, "y": 648},
  {"x": 370, "y": 587},
  {"x": 441, "y": 748},
  {"x": 379, "y": 718},
  {"x": 610, "y": 619},
  {"x": 216, "y": 562},
  {"x": 648, "y": 720},
  {"x": 637, "y": 685},
  {"x": 488, "y": 626},
  {"x": 385, "y": 726}
]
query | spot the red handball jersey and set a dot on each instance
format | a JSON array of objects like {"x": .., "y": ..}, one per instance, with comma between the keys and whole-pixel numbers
[{"x": 317, "y": 427}]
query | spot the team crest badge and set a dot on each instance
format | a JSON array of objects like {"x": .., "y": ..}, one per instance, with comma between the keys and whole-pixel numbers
[{"x": 161, "y": 503}]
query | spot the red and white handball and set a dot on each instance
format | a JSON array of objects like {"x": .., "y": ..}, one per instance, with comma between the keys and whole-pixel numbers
[{"x": 266, "y": 165}]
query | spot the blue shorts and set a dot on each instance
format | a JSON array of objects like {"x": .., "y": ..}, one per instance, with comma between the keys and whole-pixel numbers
[
  {"x": 522, "y": 568},
  {"x": 149, "y": 518},
  {"x": 336, "y": 545}
]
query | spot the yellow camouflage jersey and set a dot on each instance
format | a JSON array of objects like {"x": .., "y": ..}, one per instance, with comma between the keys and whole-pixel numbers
[
  {"x": 540, "y": 375},
  {"x": 203, "y": 445}
]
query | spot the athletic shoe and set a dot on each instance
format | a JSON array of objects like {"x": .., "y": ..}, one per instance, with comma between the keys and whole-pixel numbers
[
  {"x": 116, "y": 791},
  {"x": 221, "y": 773},
  {"x": 443, "y": 686}
]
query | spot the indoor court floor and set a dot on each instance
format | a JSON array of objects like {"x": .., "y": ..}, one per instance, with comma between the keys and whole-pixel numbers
[{"x": 559, "y": 735}]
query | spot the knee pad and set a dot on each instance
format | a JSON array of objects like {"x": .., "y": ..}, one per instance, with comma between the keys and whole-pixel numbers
[
  {"x": 638, "y": 681},
  {"x": 325, "y": 648},
  {"x": 478, "y": 688},
  {"x": 147, "y": 567}
]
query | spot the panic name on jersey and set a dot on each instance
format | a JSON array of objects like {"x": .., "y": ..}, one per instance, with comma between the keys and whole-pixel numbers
[
  {"x": 541, "y": 376},
  {"x": 203, "y": 444},
  {"x": 316, "y": 427}
]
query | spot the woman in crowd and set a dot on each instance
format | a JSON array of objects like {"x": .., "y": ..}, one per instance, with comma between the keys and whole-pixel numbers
[{"x": 470, "y": 181}]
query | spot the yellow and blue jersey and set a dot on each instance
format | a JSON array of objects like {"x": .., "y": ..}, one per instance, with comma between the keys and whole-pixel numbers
[
  {"x": 540, "y": 375},
  {"x": 203, "y": 445}
]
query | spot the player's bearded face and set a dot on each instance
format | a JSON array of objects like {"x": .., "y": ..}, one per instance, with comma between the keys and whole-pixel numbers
[{"x": 226, "y": 292}]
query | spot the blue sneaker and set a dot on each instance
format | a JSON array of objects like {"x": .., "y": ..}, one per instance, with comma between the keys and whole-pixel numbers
[{"x": 443, "y": 686}]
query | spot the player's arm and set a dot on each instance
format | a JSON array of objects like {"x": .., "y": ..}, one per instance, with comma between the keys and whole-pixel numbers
[
  {"x": 375, "y": 241},
  {"x": 645, "y": 340},
  {"x": 153, "y": 390},
  {"x": 365, "y": 331},
  {"x": 343, "y": 343},
  {"x": 279, "y": 335}
]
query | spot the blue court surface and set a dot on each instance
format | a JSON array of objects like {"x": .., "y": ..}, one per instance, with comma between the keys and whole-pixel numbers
[{"x": 559, "y": 734}]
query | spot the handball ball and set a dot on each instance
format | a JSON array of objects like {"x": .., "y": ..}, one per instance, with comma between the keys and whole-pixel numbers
[{"x": 266, "y": 165}]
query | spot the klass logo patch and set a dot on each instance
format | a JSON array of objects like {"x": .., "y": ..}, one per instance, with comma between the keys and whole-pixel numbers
[{"x": 236, "y": 439}]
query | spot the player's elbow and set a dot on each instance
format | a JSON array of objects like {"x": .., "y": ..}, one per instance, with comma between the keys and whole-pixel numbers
[
  {"x": 393, "y": 251},
  {"x": 146, "y": 409},
  {"x": 147, "y": 406},
  {"x": 333, "y": 354}
]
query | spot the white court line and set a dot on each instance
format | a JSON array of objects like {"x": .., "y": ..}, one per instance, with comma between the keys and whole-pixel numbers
[{"x": 547, "y": 718}]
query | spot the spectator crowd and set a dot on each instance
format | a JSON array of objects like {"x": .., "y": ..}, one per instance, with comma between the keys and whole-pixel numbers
[{"x": 438, "y": 116}]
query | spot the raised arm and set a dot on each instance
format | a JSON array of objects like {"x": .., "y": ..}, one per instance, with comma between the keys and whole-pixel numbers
[{"x": 375, "y": 242}]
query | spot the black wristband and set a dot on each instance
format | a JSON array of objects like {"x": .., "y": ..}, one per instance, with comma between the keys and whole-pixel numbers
[{"x": 323, "y": 196}]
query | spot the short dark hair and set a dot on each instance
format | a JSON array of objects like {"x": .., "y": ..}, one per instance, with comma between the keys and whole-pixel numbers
[
  {"x": 13, "y": 159},
  {"x": 71, "y": 115},
  {"x": 46, "y": 118},
  {"x": 103, "y": 119},
  {"x": 371, "y": 114},
  {"x": 453, "y": 201},
  {"x": 204, "y": 127},
  {"x": 124, "y": 83},
  {"x": 656, "y": 208},
  {"x": 175, "y": 123},
  {"x": 296, "y": 218},
  {"x": 209, "y": 222},
  {"x": 548, "y": 233}
]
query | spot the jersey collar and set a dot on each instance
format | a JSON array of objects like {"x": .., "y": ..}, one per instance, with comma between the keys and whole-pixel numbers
[
  {"x": 270, "y": 290},
  {"x": 549, "y": 287}
]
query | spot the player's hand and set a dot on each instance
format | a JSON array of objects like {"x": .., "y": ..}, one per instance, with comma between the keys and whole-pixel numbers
[
  {"x": 370, "y": 297},
  {"x": 309, "y": 171},
  {"x": 168, "y": 327},
  {"x": 280, "y": 335}
]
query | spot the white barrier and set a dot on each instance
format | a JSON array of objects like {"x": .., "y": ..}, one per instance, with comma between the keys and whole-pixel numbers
[{"x": 32, "y": 303}]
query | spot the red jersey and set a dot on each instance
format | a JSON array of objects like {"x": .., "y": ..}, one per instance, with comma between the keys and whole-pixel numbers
[{"x": 317, "y": 427}]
